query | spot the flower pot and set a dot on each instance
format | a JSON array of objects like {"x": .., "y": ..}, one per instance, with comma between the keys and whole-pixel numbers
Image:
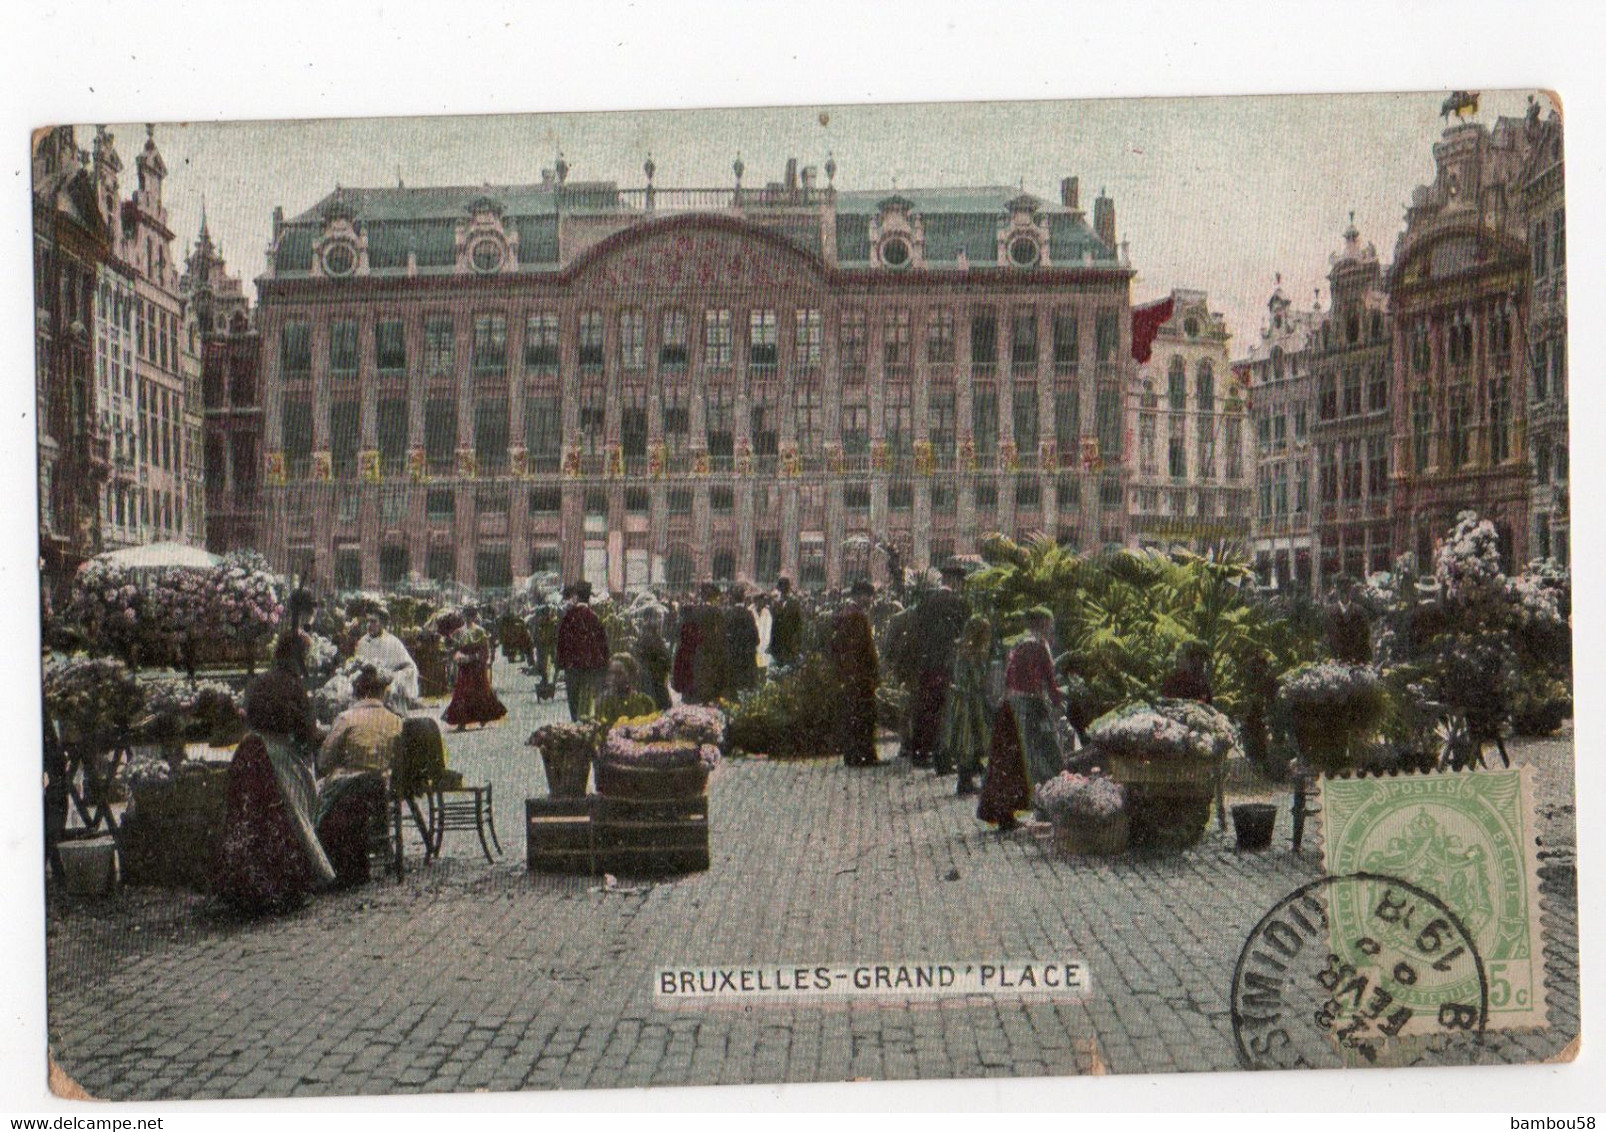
[
  {"x": 1254, "y": 823},
  {"x": 1075, "y": 837},
  {"x": 88, "y": 866},
  {"x": 650, "y": 784},
  {"x": 567, "y": 772}
]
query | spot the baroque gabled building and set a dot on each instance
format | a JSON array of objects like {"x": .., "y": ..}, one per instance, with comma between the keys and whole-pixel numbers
[
  {"x": 1190, "y": 479},
  {"x": 1459, "y": 295},
  {"x": 231, "y": 397},
  {"x": 1278, "y": 372},
  {"x": 72, "y": 243},
  {"x": 1351, "y": 429},
  {"x": 1544, "y": 206},
  {"x": 650, "y": 386}
]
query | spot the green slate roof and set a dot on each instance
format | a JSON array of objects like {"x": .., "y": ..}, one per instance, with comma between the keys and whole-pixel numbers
[{"x": 959, "y": 219}]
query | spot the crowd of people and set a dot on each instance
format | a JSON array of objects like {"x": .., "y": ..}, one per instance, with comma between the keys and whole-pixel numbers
[{"x": 986, "y": 709}]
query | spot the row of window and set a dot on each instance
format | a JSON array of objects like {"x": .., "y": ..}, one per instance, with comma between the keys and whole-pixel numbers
[
  {"x": 1549, "y": 243},
  {"x": 542, "y": 345},
  {"x": 161, "y": 512},
  {"x": 1177, "y": 448},
  {"x": 1455, "y": 429},
  {"x": 1353, "y": 470},
  {"x": 543, "y": 434},
  {"x": 155, "y": 330},
  {"x": 1330, "y": 406},
  {"x": 1461, "y": 330}
]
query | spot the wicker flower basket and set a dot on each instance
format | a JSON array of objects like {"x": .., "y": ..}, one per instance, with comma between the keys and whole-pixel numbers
[
  {"x": 1189, "y": 774},
  {"x": 1083, "y": 838}
]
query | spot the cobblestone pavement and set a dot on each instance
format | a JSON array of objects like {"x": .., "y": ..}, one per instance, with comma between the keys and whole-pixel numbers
[{"x": 468, "y": 976}]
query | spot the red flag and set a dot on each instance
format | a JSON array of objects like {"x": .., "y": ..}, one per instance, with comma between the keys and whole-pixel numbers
[{"x": 1146, "y": 323}]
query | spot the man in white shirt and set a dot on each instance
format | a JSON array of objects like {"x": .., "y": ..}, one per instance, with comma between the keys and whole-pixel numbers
[{"x": 382, "y": 649}]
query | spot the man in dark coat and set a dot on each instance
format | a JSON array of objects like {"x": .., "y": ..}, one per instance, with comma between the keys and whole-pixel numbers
[
  {"x": 1349, "y": 635},
  {"x": 741, "y": 643},
  {"x": 938, "y": 620},
  {"x": 786, "y": 630},
  {"x": 853, "y": 656},
  {"x": 582, "y": 654}
]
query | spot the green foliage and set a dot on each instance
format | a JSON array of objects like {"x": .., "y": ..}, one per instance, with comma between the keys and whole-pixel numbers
[
  {"x": 1123, "y": 614},
  {"x": 790, "y": 716}
]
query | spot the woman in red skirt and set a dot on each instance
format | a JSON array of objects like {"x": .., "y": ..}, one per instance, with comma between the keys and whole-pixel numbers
[{"x": 473, "y": 701}]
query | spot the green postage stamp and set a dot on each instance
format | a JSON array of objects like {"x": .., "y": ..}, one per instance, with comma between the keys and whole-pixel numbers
[{"x": 1467, "y": 841}]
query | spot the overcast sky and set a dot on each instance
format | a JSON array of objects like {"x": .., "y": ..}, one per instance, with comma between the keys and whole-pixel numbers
[{"x": 1217, "y": 194}]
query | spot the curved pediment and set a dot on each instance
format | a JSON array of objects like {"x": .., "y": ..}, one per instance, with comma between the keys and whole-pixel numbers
[
  {"x": 1455, "y": 251},
  {"x": 697, "y": 252}
]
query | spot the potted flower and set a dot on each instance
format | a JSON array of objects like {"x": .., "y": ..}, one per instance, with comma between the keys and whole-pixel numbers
[
  {"x": 661, "y": 757},
  {"x": 1088, "y": 812},
  {"x": 567, "y": 750},
  {"x": 1331, "y": 705}
]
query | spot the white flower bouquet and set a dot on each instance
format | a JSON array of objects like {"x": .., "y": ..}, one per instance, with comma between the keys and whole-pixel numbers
[
  {"x": 1166, "y": 729},
  {"x": 1080, "y": 797}
]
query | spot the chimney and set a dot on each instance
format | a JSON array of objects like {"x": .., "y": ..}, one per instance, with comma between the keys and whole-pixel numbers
[
  {"x": 278, "y": 221},
  {"x": 791, "y": 176},
  {"x": 1069, "y": 191},
  {"x": 809, "y": 175},
  {"x": 1104, "y": 219}
]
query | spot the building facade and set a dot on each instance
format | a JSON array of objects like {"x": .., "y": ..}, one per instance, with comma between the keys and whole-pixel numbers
[
  {"x": 651, "y": 387},
  {"x": 1545, "y": 208},
  {"x": 1279, "y": 374},
  {"x": 1459, "y": 294},
  {"x": 72, "y": 243},
  {"x": 220, "y": 318},
  {"x": 1352, "y": 426},
  {"x": 1191, "y": 480},
  {"x": 146, "y": 387}
]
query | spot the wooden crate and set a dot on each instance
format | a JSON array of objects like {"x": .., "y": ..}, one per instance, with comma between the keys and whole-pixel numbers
[
  {"x": 650, "y": 837},
  {"x": 558, "y": 835}
]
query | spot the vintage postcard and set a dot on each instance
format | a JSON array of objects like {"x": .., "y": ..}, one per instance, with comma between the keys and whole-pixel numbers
[{"x": 805, "y": 594}]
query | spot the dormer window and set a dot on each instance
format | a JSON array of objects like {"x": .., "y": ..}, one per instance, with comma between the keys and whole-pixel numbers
[
  {"x": 486, "y": 257},
  {"x": 1024, "y": 252},
  {"x": 339, "y": 260},
  {"x": 896, "y": 253},
  {"x": 1190, "y": 327}
]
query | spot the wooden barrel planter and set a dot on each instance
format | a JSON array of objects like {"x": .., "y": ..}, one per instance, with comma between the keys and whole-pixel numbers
[{"x": 650, "y": 784}]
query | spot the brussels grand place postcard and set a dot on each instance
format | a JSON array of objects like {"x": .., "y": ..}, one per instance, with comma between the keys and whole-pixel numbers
[{"x": 806, "y": 594}]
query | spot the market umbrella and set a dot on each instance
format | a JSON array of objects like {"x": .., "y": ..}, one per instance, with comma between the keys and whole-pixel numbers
[{"x": 160, "y": 555}]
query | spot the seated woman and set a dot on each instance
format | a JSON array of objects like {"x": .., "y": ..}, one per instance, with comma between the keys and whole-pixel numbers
[
  {"x": 622, "y": 698},
  {"x": 270, "y": 858},
  {"x": 354, "y": 766}
]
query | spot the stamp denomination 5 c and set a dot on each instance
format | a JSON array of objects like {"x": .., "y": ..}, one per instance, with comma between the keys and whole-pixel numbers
[{"x": 1467, "y": 839}]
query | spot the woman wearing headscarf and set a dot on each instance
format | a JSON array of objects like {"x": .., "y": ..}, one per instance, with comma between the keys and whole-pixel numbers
[
  {"x": 473, "y": 700},
  {"x": 269, "y": 857},
  {"x": 1025, "y": 747}
]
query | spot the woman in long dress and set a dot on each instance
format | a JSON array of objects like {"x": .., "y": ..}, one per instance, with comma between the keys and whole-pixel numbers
[
  {"x": 967, "y": 724},
  {"x": 473, "y": 700},
  {"x": 1026, "y": 747},
  {"x": 270, "y": 858}
]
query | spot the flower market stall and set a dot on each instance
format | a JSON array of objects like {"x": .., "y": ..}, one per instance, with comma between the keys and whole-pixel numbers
[
  {"x": 1171, "y": 756},
  {"x": 650, "y": 811}
]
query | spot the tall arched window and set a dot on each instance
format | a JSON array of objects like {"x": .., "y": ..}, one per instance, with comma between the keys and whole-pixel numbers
[
  {"x": 1178, "y": 384},
  {"x": 1205, "y": 385}
]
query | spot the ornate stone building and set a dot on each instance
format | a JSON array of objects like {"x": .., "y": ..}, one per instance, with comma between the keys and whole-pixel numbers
[
  {"x": 1459, "y": 293},
  {"x": 651, "y": 386},
  {"x": 72, "y": 243},
  {"x": 1351, "y": 428},
  {"x": 147, "y": 392},
  {"x": 1279, "y": 374},
  {"x": 1191, "y": 474},
  {"x": 1544, "y": 205},
  {"x": 231, "y": 397}
]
